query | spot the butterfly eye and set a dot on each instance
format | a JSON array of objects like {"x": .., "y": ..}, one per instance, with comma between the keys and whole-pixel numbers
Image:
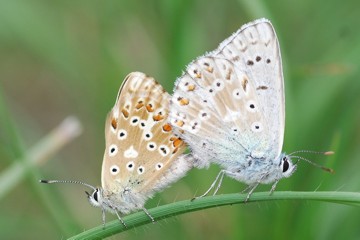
[
  {"x": 95, "y": 195},
  {"x": 286, "y": 164}
]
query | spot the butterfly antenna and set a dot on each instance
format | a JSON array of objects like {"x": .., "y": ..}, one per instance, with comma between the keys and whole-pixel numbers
[
  {"x": 67, "y": 181},
  {"x": 314, "y": 164},
  {"x": 313, "y": 152}
]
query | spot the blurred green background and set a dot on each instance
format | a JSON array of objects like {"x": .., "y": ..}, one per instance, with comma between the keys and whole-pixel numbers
[{"x": 61, "y": 58}]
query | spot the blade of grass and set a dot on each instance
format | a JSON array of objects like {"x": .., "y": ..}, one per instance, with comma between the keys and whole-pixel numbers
[
  {"x": 69, "y": 129},
  {"x": 8, "y": 133},
  {"x": 181, "y": 207},
  {"x": 26, "y": 169}
]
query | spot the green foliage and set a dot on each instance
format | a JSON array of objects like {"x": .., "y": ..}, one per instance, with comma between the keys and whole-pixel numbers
[
  {"x": 60, "y": 58},
  {"x": 171, "y": 210}
]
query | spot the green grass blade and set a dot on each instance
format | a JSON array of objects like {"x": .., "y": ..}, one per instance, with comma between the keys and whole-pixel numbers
[
  {"x": 181, "y": 207},
  {"x": 43, "y": 150}
]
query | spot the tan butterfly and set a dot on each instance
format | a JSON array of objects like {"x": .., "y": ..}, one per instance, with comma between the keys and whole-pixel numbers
[{"x": 142, "y": 155}]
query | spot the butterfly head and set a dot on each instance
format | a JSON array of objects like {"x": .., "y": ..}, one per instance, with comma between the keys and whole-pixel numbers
[
  {"x": 96, "y": 197},
  {"x": 286, "y": 165}
]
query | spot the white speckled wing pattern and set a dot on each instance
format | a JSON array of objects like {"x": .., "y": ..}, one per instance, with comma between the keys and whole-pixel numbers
[
  {"x": 229, "y": 104},
  {"x": 142, "y": 155}
]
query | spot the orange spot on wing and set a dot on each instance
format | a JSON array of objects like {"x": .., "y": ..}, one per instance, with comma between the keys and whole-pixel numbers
[
  {"x": 139, "y": 105},
  {"x": 178, "y": 142},
  {"x": 158, "y": 117},
  {"x": 125, "y": 113},
  {"x": 167, "y": 127},
  {"x": 184, "y": 101},
  {"x": 191, "y": 87},
  {"x": 180, "y": 123},
  {"x": 197, "y": 74},
  {"x": 114, "y": 123},
  {"x": 149, "y": 107}
]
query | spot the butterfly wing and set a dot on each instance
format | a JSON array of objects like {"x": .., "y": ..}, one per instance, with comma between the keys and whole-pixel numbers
[
  {"x": 141, "y": 150},
  {"x": 255, "y": 50},
  {"x": 230, "y": 102}
]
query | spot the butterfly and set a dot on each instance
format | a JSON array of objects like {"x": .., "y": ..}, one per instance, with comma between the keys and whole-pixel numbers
[
  {"x": 142, "y": 155},
  {"x": 229, "y": 107}
]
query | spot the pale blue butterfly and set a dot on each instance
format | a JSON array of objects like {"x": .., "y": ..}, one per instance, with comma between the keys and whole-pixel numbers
[{"x": 229, "y": 106}]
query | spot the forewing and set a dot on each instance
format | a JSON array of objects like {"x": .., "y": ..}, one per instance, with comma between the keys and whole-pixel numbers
[
  {"x": 140, "y": 145},
  {"x": 255, "y": 50}
]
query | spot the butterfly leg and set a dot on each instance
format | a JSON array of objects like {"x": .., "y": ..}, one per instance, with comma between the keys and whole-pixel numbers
[
  {"x": 246, "y": 189},
  {"x": 274, "y": 186},
  {"x": 252, "y": 188},
  {"x": 148, "y": 214},
  {"x": 221, "y": 173},
  {"x": 103, "y": 217},
  {"x": 220, "y": 182},
  {"x": 120, "y": 219}
]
